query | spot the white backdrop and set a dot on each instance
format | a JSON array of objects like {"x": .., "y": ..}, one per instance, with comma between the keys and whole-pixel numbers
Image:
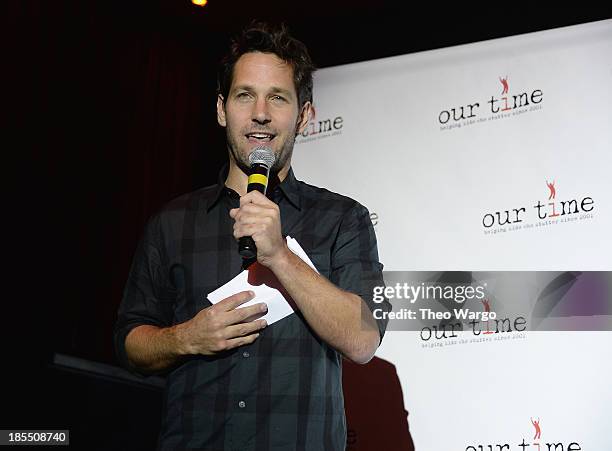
[{"x": 385, "y": 135}]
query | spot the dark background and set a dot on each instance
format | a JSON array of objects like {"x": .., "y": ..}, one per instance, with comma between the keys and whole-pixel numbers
[{"x": 110, "y": 112}]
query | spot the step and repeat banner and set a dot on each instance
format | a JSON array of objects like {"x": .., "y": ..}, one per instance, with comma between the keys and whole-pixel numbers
[{"x": 487, "y": 171}]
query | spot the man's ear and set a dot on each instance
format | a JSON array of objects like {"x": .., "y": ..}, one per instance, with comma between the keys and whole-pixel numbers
[
  {"x": 221, "y": 111},
  {"x": 307, "y": 114}
]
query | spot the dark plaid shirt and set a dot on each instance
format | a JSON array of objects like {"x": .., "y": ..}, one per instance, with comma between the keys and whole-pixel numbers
[{"x": 284, "y": 391}]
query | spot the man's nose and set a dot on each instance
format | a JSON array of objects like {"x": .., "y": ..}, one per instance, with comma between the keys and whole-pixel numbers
[{"x": 261, "y": 112}]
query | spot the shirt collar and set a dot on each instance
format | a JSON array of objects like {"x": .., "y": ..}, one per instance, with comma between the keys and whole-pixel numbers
[{"x": 288, "y": 188}]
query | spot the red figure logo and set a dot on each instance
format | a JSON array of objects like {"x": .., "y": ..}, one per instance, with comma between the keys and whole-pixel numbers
[
  {"x": 536, "y": 425},
  {"x": 487, "y": 308},
  {"x": 551, "y": 187},
  {"x": 504, "y": 82},
  {"x": 486, "y": 304}
]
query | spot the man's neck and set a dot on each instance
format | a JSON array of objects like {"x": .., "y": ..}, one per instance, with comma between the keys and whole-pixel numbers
[{"x": 238, "y": 180}]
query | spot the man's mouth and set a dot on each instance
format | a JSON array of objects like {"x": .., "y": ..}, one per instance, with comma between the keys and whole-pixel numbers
[{"x": 259, "y": 137}]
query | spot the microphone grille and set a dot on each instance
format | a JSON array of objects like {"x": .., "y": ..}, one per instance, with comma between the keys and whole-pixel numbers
[{"x": 262, "y": 155}]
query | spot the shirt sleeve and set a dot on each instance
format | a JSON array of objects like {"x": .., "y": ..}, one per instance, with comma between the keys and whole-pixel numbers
[
  {"x": 355, "y": 265},
  {"x": 148, "y": 296}
]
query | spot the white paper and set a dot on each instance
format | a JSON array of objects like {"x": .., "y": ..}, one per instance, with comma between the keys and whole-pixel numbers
[
  {"x": 295, "y": 247},
  {"x": 278, "y": 306}
]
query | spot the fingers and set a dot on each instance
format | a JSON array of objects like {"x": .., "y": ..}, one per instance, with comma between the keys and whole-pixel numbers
[
  {"x": 225, "y": 344},
  {"x": 251, "y": 213},
  {"x": 234, "y": 314},
  {"x": 225, "y": 325},
  {"x": 244, "y": 329},
  {"x": 256, "y": 216},
  {"x": 241, "y": 341},
  {"x": 256, "y": 198},
  {"x": 250, "y": 210},
  {"x": 251, "y": 219},
  {"x": 246, "y": 314},
  {"x": 240, "y": 333},
  {"x": 235, "y": 300}
]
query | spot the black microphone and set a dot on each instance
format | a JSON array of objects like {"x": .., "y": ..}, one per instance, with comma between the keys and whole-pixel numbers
[{"x": 261, "y": 160}]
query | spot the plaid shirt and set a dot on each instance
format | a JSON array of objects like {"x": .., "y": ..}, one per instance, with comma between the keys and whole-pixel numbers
[{"x": 284, "y": 391}]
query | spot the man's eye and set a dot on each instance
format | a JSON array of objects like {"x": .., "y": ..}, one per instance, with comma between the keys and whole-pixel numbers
[
  {"x": 278, "y": 98},
  {"x": 243, "y": 95}
]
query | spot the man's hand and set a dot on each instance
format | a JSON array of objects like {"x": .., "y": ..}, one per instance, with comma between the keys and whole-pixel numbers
[
  {"x": 223, "y": 326},
  {"x": 259, "y": 218}
]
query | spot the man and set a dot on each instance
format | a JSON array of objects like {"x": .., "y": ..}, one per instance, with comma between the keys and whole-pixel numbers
[{"x": 234, "y": 382}]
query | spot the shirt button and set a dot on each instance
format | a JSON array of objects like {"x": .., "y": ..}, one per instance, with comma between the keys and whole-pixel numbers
[
  {"x": 245, "y": 354},
  {"x": 242, "y": 404}
]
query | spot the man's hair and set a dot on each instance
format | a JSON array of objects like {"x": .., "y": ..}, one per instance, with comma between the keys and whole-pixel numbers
[{"x": 265, "y": 38}]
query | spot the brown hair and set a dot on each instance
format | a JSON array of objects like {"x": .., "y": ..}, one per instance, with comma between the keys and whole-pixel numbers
[{"x": 262, "y": 37}]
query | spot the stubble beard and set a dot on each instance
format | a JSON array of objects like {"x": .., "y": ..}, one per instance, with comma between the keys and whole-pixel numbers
[{"x": 242, "y": 161}]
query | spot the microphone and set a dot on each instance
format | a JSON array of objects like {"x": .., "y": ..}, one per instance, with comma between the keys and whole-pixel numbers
[{"x": 261, "y": 160}]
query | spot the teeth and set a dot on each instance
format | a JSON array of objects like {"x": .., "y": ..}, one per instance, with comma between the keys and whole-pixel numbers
[{"x": 259, "y": 136}]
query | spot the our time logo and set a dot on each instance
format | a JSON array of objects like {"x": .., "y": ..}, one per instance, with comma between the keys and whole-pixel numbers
[
  {"x": 498, "y": 106},
  {"x": 485, "y": 323},
  {"x": 549, "y": 210},
  {"x": 536, "y": 443},
  {"x": 319, "y": 129}
]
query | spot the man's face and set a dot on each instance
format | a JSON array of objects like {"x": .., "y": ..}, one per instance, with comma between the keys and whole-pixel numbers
[{"x": 261, "y": 109}]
